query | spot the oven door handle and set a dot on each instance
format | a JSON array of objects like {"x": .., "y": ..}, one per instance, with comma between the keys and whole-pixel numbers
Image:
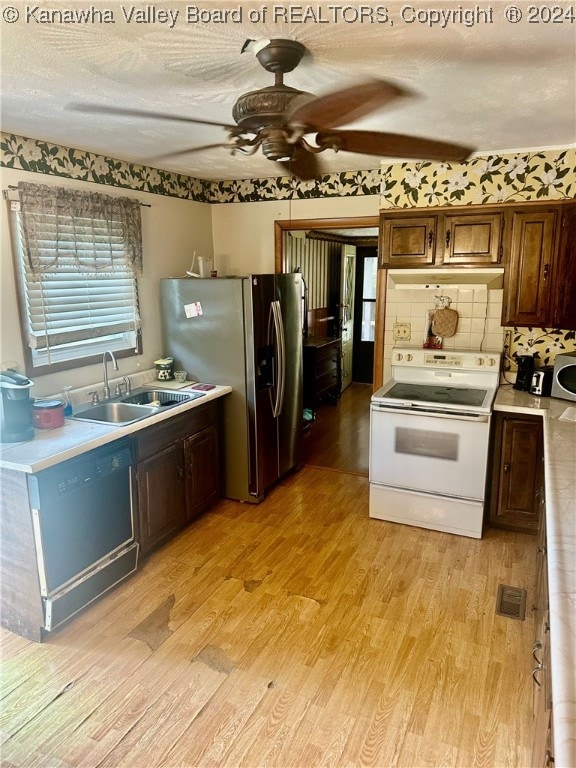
[{"x": 453, "y": 416}]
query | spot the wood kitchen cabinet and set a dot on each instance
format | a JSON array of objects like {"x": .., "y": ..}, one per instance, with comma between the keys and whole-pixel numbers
[
  {"x": 454, "y": 237},
  {"x": 322, "y": 370},
  {"x": 468, "y": 238},
  {"x": 535, "y": 242},
  {"x": 201, "y": 471},
  {"x": 564, "y": 291},
  {"x": 407, "y": 241},
  {"x": 516, "y": 472},
  {"x": 529, "y": 274},
  {"x": 177, "y": 474}
]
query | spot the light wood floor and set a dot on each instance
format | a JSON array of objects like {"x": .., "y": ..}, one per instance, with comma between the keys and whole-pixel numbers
[
  {"x": 338, "y": 438},
  {"x": 295, "y": 633}
]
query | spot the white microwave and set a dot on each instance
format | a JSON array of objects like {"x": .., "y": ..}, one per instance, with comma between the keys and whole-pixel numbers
[{"x": 564, "y": 376}]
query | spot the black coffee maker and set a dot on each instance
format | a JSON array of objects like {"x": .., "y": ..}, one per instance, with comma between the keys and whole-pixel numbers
[
  {"x": 524, "y": 374},
  {"x": 16, "y": 421}
]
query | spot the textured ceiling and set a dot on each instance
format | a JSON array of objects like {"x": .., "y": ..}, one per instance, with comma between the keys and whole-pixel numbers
[{"x": 497, "y": 86}]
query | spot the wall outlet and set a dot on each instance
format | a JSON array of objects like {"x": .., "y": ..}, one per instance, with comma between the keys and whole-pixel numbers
[{"x": 402, "y": 331}]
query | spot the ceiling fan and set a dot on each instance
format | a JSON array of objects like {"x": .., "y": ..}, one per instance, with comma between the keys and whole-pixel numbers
[{"x": 278, "y": 119}]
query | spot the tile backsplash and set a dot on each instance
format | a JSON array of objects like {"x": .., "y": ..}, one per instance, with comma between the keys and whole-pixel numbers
[
  {"x": 479, "y": 309},
  {"x": 479, "y": 317}
]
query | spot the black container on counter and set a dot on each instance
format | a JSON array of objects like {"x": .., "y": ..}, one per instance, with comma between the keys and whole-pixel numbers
[{"x": 525, "y": 370}]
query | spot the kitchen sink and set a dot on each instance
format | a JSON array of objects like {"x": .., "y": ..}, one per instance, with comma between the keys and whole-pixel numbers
[
  {"x": 139, "y": 404},
  {"x": 160, "y": 397},
  {"x": 116, "y": 412}
]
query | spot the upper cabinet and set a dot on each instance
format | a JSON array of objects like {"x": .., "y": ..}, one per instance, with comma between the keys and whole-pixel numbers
[
  {"x": 471, "y": 238},
  {"x": 407, "y": 241},
  {"x": 534, "y": 242},
  {"x": 564, "y": 309},
  {"x": 540, "y": 286},
  {"x": 529, "y": 272},
  {"x": 452, "y": 237}
]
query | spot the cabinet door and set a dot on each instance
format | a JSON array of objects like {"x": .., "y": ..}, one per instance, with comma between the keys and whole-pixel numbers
[
  {"x": 407, "y": 242},
  {"x": 202, "y": 471},
  {"x": 472, "y": 238},
  {"x": 161, "y": 508},
  {"x": 564, "y": 315},
  {"x": 517, "y": 473},
  {"x": 529, "y": 273}
]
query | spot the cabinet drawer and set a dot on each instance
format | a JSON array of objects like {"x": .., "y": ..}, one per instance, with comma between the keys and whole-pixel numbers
[
  {"x": 327, "y": 352},
  {"x": 155, "y": 438}
]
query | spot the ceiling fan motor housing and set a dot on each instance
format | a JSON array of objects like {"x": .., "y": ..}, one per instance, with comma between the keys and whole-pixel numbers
[{"x": 267, "y": 106}]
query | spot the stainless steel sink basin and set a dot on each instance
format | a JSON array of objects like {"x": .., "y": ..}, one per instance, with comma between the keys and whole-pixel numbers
[
  {"x": 142, "y": 402},
  {"x": 160, "y": 397},
  {"x": 116, "y": 413}
]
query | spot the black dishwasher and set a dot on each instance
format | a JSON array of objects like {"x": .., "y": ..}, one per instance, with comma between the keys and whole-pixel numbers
[{"x": 83, "y": 524}]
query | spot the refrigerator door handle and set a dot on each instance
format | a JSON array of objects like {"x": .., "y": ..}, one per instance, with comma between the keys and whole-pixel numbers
[{"x": 280, "y": 348}]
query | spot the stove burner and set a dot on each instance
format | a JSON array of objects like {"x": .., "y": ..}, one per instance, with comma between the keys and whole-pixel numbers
[{"x": 422, "y": 393}]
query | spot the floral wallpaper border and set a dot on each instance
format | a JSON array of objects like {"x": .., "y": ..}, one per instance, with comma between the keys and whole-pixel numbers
[
  {"x": 55, "y": 160},
  {"x": 543, "y": 343},
  {"x": 491, "y": 179},
  {"x": 544, "y": 175}
]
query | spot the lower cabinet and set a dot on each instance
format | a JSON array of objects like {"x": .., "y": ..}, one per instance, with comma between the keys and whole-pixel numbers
[
  {"x": 201, "y": 471},
  {"x": 177, "y": 474},
  {"x": 517, "y": 472}
]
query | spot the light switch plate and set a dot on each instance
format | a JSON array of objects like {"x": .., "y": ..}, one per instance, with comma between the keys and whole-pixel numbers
[{"x": 402, "y": 331}]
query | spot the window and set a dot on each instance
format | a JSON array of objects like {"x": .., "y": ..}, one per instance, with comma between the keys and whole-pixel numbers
[
  {"x": 369, "y": 298},
  {"x": 78, "y": 255}
]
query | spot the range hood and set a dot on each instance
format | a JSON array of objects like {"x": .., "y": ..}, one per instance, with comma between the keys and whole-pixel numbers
[{"x": 447, "y": 277}]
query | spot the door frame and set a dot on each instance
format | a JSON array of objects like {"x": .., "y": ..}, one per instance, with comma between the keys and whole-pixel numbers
[{"x": 283, "y": 225}]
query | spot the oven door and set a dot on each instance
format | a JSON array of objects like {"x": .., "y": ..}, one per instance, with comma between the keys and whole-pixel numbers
[{"x": 437, "y": 453}]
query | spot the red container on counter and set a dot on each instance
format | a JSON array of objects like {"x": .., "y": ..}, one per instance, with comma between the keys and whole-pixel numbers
[{"x": 48, "y": 414}]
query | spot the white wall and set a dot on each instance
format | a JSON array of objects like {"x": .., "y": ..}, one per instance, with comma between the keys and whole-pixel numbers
[
  {"x": 172, "y": 230},
  {"x": 244, "y": 232}
]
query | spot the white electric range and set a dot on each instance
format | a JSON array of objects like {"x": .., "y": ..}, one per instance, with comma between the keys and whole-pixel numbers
[{"x": 429, "y": 435}]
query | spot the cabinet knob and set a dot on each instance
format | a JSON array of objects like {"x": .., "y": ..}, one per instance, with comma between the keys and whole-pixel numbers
[
  {"x": 506, "y": 468},
  {"x": 448, "y": 236},
  {"x": 399, "y": 356},
  {"x": 546, "y": 270},
  {"x": 430, "y": 239},
  {"x": 409, "y": 357}
]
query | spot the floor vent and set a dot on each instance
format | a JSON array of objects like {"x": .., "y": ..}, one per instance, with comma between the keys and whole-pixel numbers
[{"x": 511, "y": 602}]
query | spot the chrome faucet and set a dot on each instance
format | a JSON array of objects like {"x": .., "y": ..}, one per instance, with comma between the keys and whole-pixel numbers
[{"x": 105, "y": 369}]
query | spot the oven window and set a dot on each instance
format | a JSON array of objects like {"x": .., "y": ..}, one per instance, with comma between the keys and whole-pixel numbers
[{"x": 422, "y": 442}]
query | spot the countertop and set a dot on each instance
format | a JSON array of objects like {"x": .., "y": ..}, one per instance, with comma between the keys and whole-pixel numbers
[
  {"x": 560, "y": 490},
  {"x": 51, "y": 446}
]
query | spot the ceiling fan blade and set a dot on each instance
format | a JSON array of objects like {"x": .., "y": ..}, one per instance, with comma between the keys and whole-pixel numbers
[
  {"x": 102, "y": 109},
  {"x": 303, "y": 164},
  {"x": 344, "y": 106},
  {"x": 392, "y": 145}
]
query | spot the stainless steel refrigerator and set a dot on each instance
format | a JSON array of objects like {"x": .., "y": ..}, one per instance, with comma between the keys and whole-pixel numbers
[{"x": 245, "y": 332}]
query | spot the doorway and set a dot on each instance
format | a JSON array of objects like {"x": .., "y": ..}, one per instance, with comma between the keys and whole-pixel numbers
[
  {"x": 337, "y": 438},
  {"x": 365, "y": 314}
]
